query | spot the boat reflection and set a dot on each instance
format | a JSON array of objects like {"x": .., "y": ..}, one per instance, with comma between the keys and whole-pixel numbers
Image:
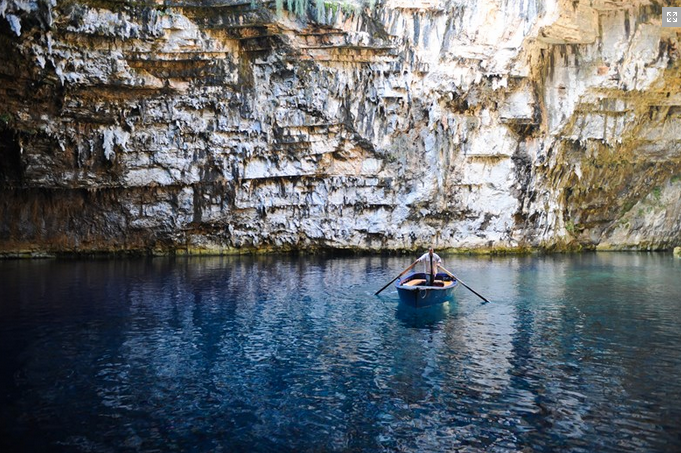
[{"x": 419, "y": 318}]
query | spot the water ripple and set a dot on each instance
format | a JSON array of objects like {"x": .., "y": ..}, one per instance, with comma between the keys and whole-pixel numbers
[{"x": 574, "y": 354}]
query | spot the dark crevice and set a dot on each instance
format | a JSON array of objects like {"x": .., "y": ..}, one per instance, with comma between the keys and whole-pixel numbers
[{"x": 11, "y": 171}]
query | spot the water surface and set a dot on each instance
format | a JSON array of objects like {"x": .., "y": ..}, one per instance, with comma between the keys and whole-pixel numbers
[{"x": 574, "y": 353}]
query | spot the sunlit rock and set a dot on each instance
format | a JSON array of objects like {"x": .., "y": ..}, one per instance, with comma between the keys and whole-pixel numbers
[{"x": 223, "y": 127}]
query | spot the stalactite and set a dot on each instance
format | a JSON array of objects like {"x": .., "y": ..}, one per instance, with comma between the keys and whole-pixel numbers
[{"x": 238, "y": 127}]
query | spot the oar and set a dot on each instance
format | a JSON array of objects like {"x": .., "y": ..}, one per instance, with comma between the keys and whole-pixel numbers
[
  {"x": 459, "y": 280},
  {"x": 403, "y": 272}
]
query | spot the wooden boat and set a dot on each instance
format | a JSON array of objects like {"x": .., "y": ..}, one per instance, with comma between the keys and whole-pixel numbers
[{"x": 413, "y": 291}]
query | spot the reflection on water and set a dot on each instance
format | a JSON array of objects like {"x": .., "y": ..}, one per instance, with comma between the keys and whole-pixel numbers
[
  {"x": 574, "y": 353},
  {"x": 423, "y": 317}
]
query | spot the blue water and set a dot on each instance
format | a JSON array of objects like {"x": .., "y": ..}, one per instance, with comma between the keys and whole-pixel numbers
[{"x": 573, "y": 354}]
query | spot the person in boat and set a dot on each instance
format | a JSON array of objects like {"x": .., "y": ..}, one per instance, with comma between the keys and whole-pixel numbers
[{"x": 431, "y": 261}]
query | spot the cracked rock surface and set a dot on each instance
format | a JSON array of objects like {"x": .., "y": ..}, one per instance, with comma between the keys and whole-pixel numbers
[{"x": 206, "y": 126}]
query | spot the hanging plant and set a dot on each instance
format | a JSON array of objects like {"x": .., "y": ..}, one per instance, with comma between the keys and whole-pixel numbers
[{"x": 301, "y": 7}]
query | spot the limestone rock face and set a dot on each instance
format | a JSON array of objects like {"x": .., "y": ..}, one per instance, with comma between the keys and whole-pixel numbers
[{"x": 219, "y": 125}]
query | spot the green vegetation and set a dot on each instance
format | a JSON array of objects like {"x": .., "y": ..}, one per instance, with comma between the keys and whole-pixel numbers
[
  {"x": 570, "y": 226},
  {"x": 657, "y": 193},
  {"x": 6, "y": 119},
  {"x": 301, "y": 7},
  {"x": 623, "y": 223},
  {"x": 627, "y": 206}
]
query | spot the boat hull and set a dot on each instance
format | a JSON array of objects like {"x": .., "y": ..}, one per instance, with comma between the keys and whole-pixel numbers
[{"x": 414, "y": 292}]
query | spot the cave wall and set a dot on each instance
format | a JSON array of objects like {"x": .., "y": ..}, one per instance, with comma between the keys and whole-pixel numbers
[{"x": 220, "y": 126}]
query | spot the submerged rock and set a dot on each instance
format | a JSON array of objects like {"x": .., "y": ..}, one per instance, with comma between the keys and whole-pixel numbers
[{"x": 224, "y": 127}]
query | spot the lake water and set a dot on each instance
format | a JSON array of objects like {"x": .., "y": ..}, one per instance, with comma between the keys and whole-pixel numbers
[{"x": 578, "y": 353}]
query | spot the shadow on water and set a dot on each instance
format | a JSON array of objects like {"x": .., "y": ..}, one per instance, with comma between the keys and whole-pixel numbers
[{"x": 424, "y": 317}]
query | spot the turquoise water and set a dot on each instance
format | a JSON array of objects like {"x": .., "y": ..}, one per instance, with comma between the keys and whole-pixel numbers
[{"x": 574, "y": 353}]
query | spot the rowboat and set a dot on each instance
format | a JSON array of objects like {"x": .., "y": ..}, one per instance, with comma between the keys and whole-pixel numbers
[{"x": 414, "y": 292}]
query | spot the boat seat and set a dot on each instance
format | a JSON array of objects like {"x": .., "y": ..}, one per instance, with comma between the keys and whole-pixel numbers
[{"x": 422, "y": 282}]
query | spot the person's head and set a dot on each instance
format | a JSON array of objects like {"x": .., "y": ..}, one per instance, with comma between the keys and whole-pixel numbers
[{"x": 430, "y": 251}]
